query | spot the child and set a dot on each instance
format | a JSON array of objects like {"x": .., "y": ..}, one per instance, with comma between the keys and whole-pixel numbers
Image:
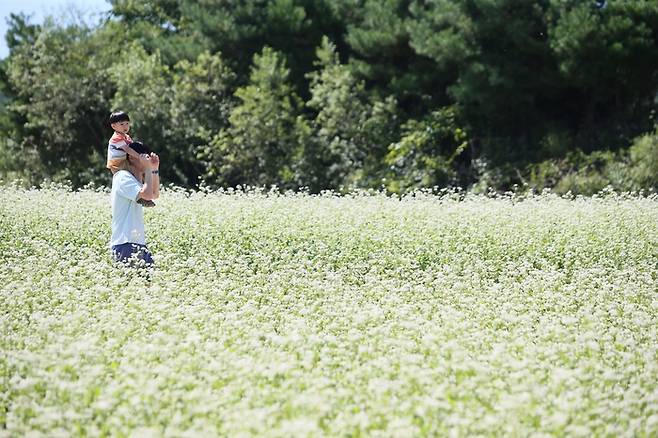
[{"x": 119, "y": 147}]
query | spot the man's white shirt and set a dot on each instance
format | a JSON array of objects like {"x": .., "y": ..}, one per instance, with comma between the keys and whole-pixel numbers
[{"x": 127, "y": 214}]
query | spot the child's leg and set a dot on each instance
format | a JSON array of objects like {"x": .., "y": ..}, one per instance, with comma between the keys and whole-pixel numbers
[{"x": 117, "y": 164}]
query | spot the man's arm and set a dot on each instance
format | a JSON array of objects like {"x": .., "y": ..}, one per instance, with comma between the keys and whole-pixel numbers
[
  {"x": 151, "y": 188},
  {"x": 155, "y": 172}
]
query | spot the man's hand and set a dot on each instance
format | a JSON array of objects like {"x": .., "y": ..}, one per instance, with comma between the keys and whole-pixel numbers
[
  {"x": 145, "y": 160},
  {"x": 155, "y": 161}
]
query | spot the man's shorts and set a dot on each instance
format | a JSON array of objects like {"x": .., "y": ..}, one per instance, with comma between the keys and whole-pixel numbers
[{"x": 133, "y": 254}]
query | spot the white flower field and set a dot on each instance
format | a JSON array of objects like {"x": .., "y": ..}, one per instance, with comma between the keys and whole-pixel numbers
[{"x": 362, "y": 315}]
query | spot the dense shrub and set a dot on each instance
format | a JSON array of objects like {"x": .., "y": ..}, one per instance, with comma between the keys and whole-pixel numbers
[{"x": 633, "y": 169}]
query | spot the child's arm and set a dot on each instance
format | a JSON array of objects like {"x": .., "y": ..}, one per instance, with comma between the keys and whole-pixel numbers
[{"x": 130, "y": 151}]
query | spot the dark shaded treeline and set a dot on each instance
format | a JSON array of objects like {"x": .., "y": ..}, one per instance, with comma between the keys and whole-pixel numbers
[{"x": 343, "y": 93}]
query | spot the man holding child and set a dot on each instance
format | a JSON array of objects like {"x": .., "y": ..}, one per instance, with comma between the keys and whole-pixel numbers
[{"x": 136, "y": 181}]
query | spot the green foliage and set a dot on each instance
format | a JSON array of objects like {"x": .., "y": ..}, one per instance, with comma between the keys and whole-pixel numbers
[
  {"x": 633, "y": 169},
  {"x": 16, "y": 162},
  {"x": 381, "y": 52},
  {"x": 492, "y": 47},
  {"x": 20, "y": 32},
  {"x": 158, "y": 12},
  {"x": 142, "y": 84},
  {"x": 525, "y": 70},
  {"x": 349, "y": 132},
  {"x": 425, "y": 155},
  {"x": 578, "y": 173},
  {"x": 643, "y": 160},
  {"x": 239, "y": 29},
  {"x": 608, "y": 58},
  {"x": 201, "y": 105},
  {"x": 531, "y": 82},
  {"x": 261, "y": 140},
  {"x": 61, "y": 92},
  {"x": 443, "y": 31}
]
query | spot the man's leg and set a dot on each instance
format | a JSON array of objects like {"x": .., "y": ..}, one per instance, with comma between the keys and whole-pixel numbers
[{"x": 133, "y": 254}]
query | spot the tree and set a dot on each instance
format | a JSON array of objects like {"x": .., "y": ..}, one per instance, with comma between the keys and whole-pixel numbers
[
  {"x": 62, "y": 95},
  {"x": 609, "y": 60},
  {"x": 507, "y": 85},
  {"x": 16, "y": 161},
  {"x": 159, "y": 26},
  {"x": 20, "y": 32},
  {"x": 528, "y": 81},
  {"x": 380, "y": 52},
  {"x": 202, "y": 102},
  {"x": 350, "y": 132},
  {"x": 261, "y": 142},
  {"x": 236, "y": 28},
  {"x": 427, "y": 153}
]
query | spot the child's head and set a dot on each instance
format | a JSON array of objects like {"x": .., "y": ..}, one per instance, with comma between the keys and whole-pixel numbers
[{"x": 120, "y": 122}]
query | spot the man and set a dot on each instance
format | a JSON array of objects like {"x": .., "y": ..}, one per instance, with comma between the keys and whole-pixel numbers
[{"x": 139, "y": 180}]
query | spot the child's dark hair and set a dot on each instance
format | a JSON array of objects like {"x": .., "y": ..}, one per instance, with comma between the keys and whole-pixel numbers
[{"x": 118, "y": 116}]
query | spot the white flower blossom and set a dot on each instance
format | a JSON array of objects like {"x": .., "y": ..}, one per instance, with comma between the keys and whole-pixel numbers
[{"x": 299, "y": 315}]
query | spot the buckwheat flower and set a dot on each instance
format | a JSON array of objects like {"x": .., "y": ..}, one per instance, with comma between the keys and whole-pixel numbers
[{"x": 331, "y": 306}]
